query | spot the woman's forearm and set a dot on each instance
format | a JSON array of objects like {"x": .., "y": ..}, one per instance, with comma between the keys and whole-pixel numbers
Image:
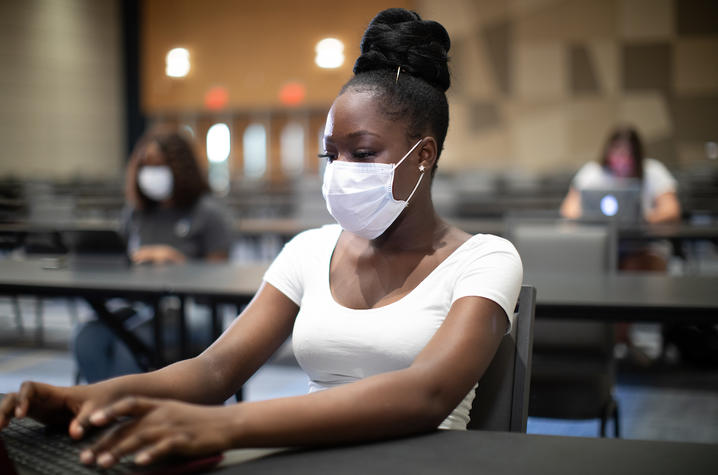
[
  {"x": 382, "y": 406},
  {"x": 192, "y": 380}
]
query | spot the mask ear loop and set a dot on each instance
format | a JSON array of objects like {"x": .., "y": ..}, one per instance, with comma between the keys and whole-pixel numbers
[
  {"x": 416, "y": 186},
  {"x": 421, "y": 169},
  {"x": 407, "y": 153}
]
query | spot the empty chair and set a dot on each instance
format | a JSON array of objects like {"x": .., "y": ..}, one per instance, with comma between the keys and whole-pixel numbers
[{"x": 573, "y": 369}]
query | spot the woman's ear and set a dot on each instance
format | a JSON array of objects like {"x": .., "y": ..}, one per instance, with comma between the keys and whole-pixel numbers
[{"x": 427, "y": 153}]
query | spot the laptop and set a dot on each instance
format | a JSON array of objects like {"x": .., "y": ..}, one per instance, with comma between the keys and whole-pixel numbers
[
  {"x": 95, "y": 247},
  {"x": 27, "y": 447},
  {"x": 620, "y": 204}
]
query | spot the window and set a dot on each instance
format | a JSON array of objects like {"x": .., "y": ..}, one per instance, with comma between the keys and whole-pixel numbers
[
  {"x": 255, "y": 150},
  {"x": 218, "y": 149},
  {"x": 292, "y": 149}
]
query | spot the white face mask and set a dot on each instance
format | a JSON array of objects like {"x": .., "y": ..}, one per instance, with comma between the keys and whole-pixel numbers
[
  {"x": 359, "y": 195},
  {"x": 155, "y": 182}
]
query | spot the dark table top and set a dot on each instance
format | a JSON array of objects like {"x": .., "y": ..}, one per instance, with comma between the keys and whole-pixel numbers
[
  {"x": 220, "y": 281},
  {"x": 492, "y": 453},
  {"x": 622, "y": 296},
  {"x": 625, "y": 296}
]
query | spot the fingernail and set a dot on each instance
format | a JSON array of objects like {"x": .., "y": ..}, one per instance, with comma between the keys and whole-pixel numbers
[
  {"x": 86, "y": 457},
  {"x": 142, "y": 458},
  {"x": 105, "y": 460},
  {"x": 96, "y": 417}
]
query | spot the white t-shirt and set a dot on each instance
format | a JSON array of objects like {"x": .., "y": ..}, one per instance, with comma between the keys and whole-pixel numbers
[
  {"x": 337, "y": 345},
  {"x": 656, "y": 180}
]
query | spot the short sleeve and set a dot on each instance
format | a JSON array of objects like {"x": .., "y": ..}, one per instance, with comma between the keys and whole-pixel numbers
[
  {"x": 285, "y": 272},
  {"x": 496, "y": 273},
  {"x": 658, "y": 178},
  {"x": 588, "y": 176}
]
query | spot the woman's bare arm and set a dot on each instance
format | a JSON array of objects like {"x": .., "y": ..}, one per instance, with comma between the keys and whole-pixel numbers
[
  {"x": 221, "y": 369},
  {"x": 571, "y": 206},
  {"x": 666, "y": 209},
  {"x": 396, "y": 403}
]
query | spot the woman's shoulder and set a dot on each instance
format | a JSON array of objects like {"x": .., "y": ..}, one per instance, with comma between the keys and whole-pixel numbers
[
  {"x": 651, "y": 165},
  {"x": 480, "y": 247},
  {"x": 320, "y": 236},
  {"x": 488, "y": 243}
]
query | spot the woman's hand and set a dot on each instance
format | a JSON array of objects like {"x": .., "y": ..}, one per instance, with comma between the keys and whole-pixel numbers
[
  {"x": 54, "y": 405},
  {"x": 156, "y": 428},
  {"x": 158, "y": 254}
]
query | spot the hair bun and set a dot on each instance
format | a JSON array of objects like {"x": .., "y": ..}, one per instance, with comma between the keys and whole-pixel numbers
[{"x": 398, "y": 37}]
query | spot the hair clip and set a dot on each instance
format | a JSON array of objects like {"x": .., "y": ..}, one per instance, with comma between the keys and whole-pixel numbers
[{"x": 398, "y": 70}]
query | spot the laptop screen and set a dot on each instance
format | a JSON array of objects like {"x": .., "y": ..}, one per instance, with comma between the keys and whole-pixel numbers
[{"x": 622, "y": 204}]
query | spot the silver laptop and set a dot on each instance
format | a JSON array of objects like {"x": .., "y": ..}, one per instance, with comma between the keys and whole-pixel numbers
[{"x": 621, "y": 204}]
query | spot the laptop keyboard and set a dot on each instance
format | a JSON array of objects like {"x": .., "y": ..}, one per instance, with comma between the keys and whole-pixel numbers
[{"x": 29, "y": 444}]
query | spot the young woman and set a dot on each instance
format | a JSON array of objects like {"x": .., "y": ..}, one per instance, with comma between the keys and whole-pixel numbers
[
  {"x": 395, "y": 314},
  {"x": 171, "y": 216},
  {"x": 623, "y": 159}
]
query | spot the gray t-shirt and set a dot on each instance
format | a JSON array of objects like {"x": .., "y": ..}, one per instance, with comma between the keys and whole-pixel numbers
[{"x": 196, "y": 231}]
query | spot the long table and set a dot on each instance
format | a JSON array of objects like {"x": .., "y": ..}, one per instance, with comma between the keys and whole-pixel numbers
[
  {"x": 619, "y": 296},
  {"x": 626, "y": 297},
  {"x": 496, "y": 453},
  {"x": 100, "y": 280}
]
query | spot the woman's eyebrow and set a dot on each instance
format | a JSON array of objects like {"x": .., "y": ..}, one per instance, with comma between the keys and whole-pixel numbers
[{"x": 362, "y": 132}]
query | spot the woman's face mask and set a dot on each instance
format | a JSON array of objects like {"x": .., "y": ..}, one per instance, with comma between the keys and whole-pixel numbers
[
  {"x": 359, "y": 195},
  {"x": 155, "y": 182},
  {"x": 620, "y": 161}
]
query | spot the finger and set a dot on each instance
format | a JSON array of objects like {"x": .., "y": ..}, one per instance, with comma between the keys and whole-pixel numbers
[
  {"x": 81, "y": 422},
  {"x": 175, "y": 443},
  {"x": 7, "y": 409},
  {"x": 131, "y": 440},
  {"x": 138, "y": 257},
  {"x": 132, "y": 406},
  {"x": 28, "y": 390},
  {"x": 105, "y": 442}
]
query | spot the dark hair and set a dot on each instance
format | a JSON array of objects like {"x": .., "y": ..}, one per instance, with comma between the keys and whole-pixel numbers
[
  {"x": 625, "y": 134},
  {"x": 398, "y": 38},
  {"x": 178, "y": 150}
]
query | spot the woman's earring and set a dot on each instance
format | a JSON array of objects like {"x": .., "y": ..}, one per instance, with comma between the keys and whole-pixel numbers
[{"x": 421, "y": 168}]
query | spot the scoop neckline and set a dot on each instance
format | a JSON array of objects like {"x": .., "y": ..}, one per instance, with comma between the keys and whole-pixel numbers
[{"x": 328, "y": 285}]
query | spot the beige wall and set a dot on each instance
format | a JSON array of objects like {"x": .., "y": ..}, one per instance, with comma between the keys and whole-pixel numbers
[
  {"x": 537, "y": 84},
  {"x": 61, "y": 113}
]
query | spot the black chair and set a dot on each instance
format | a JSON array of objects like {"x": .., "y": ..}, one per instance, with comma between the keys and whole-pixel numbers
[
  {"x": 573, "y": 371},
  {"x": 502, "y": 395}
]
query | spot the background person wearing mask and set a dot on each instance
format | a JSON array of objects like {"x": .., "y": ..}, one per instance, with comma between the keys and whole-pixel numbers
[
  {"x": 622, "y": 159},
  {"x": 171, "y": 217}
]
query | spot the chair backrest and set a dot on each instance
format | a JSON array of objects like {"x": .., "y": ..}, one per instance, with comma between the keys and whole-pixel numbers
[
  {"x": 501, "y": 402},
  {"x": 564, "y": 246}
]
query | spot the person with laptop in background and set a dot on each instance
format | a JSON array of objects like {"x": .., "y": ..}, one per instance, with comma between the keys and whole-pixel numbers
[
  {"x": 623, "y": 166},
  {"x": 170, "y": 217}
]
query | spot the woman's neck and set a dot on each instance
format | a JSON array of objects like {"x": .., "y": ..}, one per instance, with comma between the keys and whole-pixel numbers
[{"x": 418, "y": 227}]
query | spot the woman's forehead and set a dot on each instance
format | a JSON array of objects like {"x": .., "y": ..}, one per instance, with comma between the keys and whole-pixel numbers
[
  {"x": 359, "y": 111},
  {"x": 152, "y": 153}
]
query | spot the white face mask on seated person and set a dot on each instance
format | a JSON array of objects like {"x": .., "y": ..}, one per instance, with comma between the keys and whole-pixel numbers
[
  {"x": 155, "y": 182},
  {"x": 359, "y": 195}
]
